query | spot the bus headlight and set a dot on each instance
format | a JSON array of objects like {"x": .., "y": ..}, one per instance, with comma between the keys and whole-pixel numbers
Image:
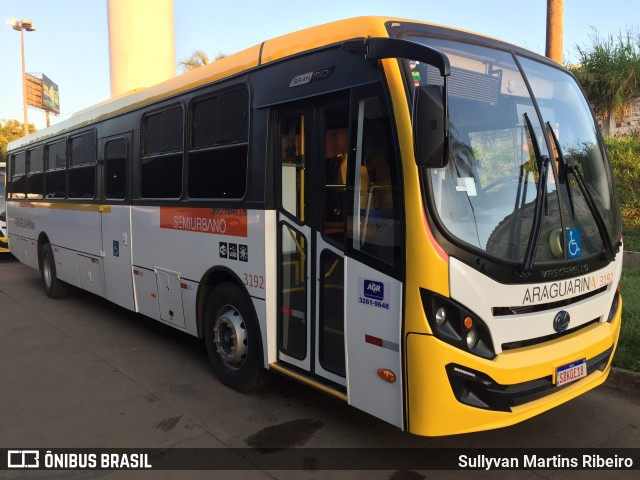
[
  {"x": 454, "y": 324},
  {"x": 472, "y": 339}
]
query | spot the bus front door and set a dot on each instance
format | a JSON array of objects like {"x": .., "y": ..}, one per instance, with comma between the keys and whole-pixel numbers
[{"x": 312, "y": 149}]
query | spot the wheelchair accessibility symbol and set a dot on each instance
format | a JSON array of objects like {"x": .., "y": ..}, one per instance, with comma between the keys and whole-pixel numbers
[{"x": 574, "y": 245}]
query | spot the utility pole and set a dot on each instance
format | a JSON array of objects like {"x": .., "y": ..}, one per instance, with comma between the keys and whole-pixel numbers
[{"x": 555, "y": 29}]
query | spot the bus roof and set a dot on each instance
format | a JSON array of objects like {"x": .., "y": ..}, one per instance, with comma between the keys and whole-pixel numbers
[{"x": 258, "y": 55}]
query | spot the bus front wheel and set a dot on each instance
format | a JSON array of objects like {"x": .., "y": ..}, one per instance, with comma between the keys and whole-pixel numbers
[
  {"x": 53, "y": 286},
  {"x": 232, "y": 337}
]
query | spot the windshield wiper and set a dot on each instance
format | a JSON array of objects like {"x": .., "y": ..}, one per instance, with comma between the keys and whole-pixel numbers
[
  {"x": 563, "y": 170},
  {"x": 597, "y": 216},
  {"x": 542, "y": 162}
]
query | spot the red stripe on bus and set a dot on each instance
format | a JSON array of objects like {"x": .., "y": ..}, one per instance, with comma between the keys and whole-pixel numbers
[
  {"x": 220, "y": 221},
  {"x": 438, "y": 249}
]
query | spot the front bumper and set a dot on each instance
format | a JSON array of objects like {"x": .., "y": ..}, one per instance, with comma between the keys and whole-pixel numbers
[{"x": 443, "y": 398}]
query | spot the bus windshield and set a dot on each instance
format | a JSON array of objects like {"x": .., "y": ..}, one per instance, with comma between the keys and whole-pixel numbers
[{"x": 507, "y": 116}]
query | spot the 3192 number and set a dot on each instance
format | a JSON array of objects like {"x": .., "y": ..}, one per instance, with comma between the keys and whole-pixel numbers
[{"x": 253, "y": 280}]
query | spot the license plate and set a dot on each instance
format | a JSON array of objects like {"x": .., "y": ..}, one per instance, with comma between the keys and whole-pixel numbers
[{"x": 571, "y": 372}]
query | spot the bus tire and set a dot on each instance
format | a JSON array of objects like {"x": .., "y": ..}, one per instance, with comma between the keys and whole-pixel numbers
[
  {"x": 232, "y": 337},
  {"x": 53, "y": 286}
]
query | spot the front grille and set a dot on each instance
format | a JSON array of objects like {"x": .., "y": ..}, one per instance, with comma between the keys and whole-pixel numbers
[
  {"x": 546, "y": 338},
  {"x": 477, "y": 389}
]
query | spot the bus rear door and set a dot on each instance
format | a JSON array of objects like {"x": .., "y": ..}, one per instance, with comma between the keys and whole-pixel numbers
[{"x": 116, "y": 220}]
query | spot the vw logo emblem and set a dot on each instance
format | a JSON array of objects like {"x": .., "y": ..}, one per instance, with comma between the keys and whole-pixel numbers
[{"x": 561, "y": 322}]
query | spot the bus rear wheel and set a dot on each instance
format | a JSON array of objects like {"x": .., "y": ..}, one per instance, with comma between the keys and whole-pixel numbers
[
  {"x": 232, "y": 337},
  {"x": 53, "y": 286}
]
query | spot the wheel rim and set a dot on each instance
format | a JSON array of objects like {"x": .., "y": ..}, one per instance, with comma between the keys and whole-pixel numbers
[
  {"x": 230, "y": 337},
  {"x": 46, "y": 272}
]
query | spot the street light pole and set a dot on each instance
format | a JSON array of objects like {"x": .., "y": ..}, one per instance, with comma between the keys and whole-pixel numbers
[{"x": 21, "y": 26}]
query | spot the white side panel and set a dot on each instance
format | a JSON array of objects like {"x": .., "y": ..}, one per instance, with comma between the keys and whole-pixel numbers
[
  {"x": 74, "y": 229},
  {"x": 67, "y": 265},
  {"x": 481, "y": 294},
  {"x": 269, "y": 320},
  {"x": 25, "y": 250},
  {"x": 189, "y": 293},
  {"x": 373, "y": 312},
  {"x": 90, "y": 272},
  {"x": 192, "y": 240},
  {"x": 170, "y": 298},
  {"x": 146, "y": 289},
  {"x": 75, "y": 226}
]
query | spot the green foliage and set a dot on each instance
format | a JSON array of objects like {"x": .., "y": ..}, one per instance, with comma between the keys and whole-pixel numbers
[
  {"x": 11, "y": 130},
  {"x": 624, "y": 154},
  {"x": 197, "y": 59},
  {"x": 632, "y": 239},
  {"x": 628, "y": 352},
  {"x": 609, "y": 71}
]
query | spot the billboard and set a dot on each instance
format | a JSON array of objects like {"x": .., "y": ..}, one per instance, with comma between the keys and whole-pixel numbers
[
  {"x": 50, "y": 95},
  {"x": 42, "y": 93},
  {"x": 34, "y": 90}
]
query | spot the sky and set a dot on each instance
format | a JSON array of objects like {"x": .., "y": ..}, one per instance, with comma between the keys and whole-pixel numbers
[{"x": 70, "y": 44}]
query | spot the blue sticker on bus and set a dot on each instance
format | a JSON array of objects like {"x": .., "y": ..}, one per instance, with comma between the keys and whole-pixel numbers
[
  {"x": 574, "y": 245},
  {"x": 116, "y": 248},
  {"x": 373, "y": 289}
]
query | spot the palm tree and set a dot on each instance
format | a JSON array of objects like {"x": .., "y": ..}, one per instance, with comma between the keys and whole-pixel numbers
[{"x": 198, "y": 59}]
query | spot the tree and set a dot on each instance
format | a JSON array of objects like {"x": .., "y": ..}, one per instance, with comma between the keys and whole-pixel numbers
[
  {"x": 609, "y": 71},
  {"x": 198, "y": 59},
  {"x": 11, "y": 130}
]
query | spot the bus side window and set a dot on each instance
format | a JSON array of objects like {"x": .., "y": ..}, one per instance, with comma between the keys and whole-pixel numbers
[
  {"x": 18, "y": 178},
  {"x": 82, "y": 166},
  {"x": 55, "y": 183},
  {"x": 335, "y": 127},
  {"x": 292, "y": 146},
  {"x": 35, "y": 177},
  {"x": 218, "y": 148},
  {"x": 115, "y": 156},
  {"x": 375, "y": 227},
  {"x": 162, "y": 154}
]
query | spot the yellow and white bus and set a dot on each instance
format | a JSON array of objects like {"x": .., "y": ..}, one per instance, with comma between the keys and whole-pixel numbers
[
  {"x": 417, "y": 220},
  {"x": 4, "y": 240}
]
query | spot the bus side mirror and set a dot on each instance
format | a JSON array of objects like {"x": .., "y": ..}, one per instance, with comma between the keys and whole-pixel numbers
[{"x": 430, "y": 126}]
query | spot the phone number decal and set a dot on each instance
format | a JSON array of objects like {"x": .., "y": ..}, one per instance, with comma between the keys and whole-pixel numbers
[{"x": 373, "y": 303}]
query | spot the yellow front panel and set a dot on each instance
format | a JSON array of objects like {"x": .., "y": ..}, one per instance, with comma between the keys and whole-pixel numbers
[{"x": 434, "y": 410}]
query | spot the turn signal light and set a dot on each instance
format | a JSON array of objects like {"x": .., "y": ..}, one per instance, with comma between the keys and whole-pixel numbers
[
  {"x": 386, "y": 375},
  {"x": 468, "y": 323}
]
